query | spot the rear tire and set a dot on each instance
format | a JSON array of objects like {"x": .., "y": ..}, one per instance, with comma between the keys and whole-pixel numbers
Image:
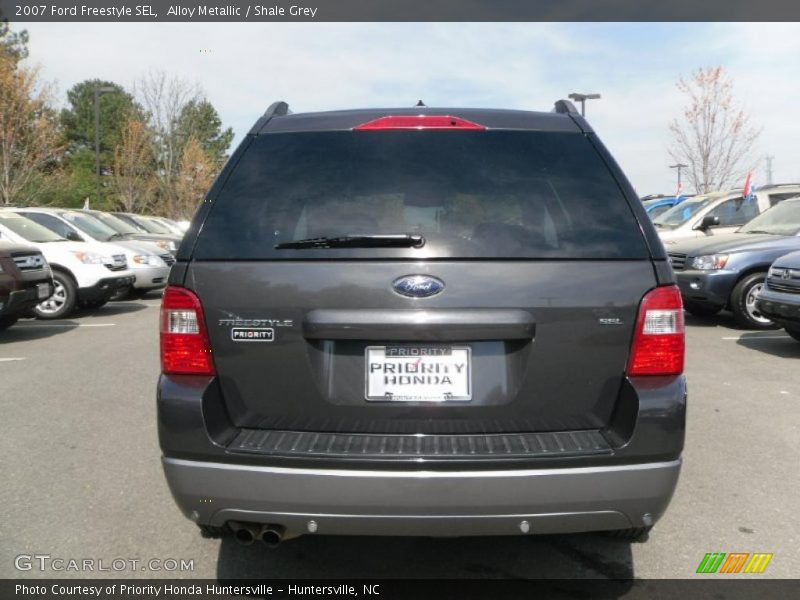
[
  {"x": 700, "y": 310},
  {"x": 63, "y": 300},
  {"x": 792, "y": 331},
  {"x": 6, "y": 322},
  {"x": 743, "y": 303},
  {"x": 635, "y": 534}
]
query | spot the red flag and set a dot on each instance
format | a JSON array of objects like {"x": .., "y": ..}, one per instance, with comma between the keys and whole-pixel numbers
[{"x": 746, "y": 190}]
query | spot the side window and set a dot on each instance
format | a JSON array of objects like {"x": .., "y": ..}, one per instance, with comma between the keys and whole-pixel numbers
[
  {"x": 51, "y": 222},
  {"x": 775, "y": 198},
  {"x": 736, "y": 211}
]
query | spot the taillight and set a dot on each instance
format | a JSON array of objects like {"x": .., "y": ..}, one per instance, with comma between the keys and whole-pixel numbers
[
  {"x": 658, "y": 343},
  {"x": 185, "y": 349},
  {"x": 418, "y": 122}
]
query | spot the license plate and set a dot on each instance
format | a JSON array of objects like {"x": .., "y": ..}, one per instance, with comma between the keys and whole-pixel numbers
[
  {"x": 43, "y": 291},
  {"x": 418, "y": 373}
]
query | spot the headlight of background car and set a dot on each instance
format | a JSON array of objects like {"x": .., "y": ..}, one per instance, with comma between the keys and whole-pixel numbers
[
  {"x": 168, "y": 245},
  {"x": 91, "y": 258},
  {"x": 147, "y": 259},
  {"x": 711, "y": 262}
]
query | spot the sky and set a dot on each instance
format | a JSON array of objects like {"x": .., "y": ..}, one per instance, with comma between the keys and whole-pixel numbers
[{"x": 244, "y": 67}]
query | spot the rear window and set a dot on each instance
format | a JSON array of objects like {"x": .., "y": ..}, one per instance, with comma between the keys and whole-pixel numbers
[{"x": 487, "y": 194}]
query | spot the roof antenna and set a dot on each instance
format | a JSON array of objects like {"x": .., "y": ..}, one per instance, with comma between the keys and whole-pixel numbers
[{"x": 420, "y": 103}]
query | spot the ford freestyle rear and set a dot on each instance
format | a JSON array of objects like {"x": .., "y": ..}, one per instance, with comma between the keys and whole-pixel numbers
[{"x": 421, "y": 322}]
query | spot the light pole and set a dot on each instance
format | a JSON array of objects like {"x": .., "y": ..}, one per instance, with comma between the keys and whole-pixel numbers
[
  {"x": 679, "y": 166},
  {"x": 582, "y": 98},
  {"x": 98, "y": 91}
]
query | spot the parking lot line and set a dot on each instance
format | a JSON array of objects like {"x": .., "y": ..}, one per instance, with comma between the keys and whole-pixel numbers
[
  {"x": 11, "y": 359},
  {"x": 757, "y": 337}
]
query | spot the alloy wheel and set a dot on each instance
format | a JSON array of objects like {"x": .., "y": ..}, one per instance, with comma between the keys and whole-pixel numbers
[
  {"x": 750, "y": 304},
  {"x": 55, "y": 302}
]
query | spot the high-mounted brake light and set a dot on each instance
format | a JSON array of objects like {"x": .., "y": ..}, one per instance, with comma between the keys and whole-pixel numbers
[
  {"x": 659, "y": 340},
  {"x": 418, "y": 122},
  {"x": 185, "y": 349}
]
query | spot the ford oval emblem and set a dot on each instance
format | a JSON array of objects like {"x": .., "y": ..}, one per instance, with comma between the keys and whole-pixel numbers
[{"x": 418, "y": 286}]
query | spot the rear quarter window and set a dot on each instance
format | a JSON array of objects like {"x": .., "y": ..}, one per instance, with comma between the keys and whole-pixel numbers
[{"x": 487, "y": 194}]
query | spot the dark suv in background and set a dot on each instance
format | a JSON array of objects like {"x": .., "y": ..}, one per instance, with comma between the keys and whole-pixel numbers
[
  {"x": 25, "y": 281},
  {"x": 421, "y": 322},
  {"x": 779, "y": 299}
]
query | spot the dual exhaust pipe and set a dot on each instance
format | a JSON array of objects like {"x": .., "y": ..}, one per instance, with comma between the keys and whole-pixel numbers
[{"x": 247, "y": 533}]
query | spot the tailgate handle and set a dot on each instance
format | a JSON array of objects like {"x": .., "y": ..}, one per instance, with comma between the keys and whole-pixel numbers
[{"x": 420, "y": 325}]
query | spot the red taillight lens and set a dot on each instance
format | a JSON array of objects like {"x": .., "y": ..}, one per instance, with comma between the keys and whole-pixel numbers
[
  {"x": 184, "y": 339},
  {"x": 418, "y": 122},
  {"x": 658, "y": 342}
]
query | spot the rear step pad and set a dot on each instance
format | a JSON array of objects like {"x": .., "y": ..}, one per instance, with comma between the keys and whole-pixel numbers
[{"x": 370, "y": 446}]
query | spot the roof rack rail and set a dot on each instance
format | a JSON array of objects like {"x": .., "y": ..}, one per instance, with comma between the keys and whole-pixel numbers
[
  {"x": 276, "y": 109},
  {"x": 565, "y": 107}
]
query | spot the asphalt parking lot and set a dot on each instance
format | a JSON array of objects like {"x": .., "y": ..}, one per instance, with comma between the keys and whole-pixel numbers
[{"x": 82, "y": 479}]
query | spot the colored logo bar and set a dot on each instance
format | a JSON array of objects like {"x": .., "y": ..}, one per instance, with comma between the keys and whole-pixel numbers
[{"x": 734, "y": 562}]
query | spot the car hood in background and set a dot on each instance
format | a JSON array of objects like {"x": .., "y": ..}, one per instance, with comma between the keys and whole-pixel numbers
[
  {"x": 139, "y": 246},
  {"x": 788, "y": 261},
  {"x": 735, "y": 242}
]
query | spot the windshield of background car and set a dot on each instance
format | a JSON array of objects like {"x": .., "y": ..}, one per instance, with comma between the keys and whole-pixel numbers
[
  {"x": 680, "y": 213},
  {"x": 781, "y": 219},
  {"x": 487, "y": 194},
  {"x": 88, "y": 224},
  {"x": 25, "y": 228},
  {"x": 151, "y": 226},
  {"x": 116, "y": 224}
]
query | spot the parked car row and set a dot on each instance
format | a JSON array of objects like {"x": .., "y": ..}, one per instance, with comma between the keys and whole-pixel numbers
[
  {"x": 89, "y": 256},
  {"x": 723, "y": 248}
]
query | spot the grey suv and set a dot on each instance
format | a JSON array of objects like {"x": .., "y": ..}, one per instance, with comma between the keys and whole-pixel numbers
[{"x": 426, "y": 322}]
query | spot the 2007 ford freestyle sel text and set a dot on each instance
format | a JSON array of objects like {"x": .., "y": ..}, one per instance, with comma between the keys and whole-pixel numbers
[{"x": 422, "y": 321}]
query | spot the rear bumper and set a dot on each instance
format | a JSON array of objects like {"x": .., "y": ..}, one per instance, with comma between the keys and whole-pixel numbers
[{"x": 453, "y": 503}]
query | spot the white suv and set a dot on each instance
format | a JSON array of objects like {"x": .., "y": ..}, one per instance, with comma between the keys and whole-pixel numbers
[
  {"x": 719, "y": 212},
  {"x": 148, "y": 262},
  {"x": 84, "y": 273}
]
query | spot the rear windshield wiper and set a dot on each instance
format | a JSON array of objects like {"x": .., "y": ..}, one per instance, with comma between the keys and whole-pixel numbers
[{"x": 403, "y": 240}]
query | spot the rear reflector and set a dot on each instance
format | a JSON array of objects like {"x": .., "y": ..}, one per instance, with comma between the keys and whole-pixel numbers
[
  {"x": 418, "y": 122},
  {"x": 659, "y": 340},
  {"x": 185, "y": 349}
]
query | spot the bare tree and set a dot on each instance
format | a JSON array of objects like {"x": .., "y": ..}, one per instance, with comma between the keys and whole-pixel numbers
[
  {"x": 29, "y": 135},
  {"x": 134, "y": 181},
  {"x": 194, "y": 178},
  {"x": 163, "y": 98},
  {"x": 714, "y": 136}
]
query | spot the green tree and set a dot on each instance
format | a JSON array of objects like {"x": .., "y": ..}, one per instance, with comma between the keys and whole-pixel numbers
[
  {"x": 78, "y": 124},
  {"x": 199, "y": 120},
  {"x": 13, "y": 44},
  {"x": 78, "y": 119}
]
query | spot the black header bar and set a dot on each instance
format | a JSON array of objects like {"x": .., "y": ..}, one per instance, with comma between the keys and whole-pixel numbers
[{"x": 400, "y": 10}]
